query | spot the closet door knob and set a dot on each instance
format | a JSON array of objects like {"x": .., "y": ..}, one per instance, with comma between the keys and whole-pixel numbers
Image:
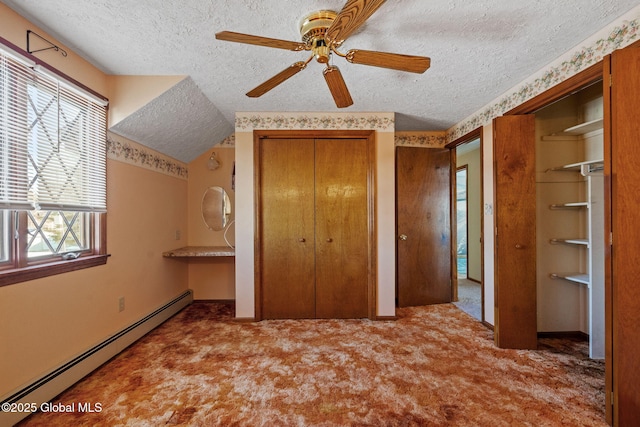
[
  {"x": 329, "y": 240},
  {"x": 302, "y": 240},
  {"x": 402, "y": 237},
  {"x": 519, "y": 246}
]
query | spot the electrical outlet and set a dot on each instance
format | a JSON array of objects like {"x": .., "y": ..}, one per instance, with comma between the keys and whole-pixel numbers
[{"x": 121, "y": 304}]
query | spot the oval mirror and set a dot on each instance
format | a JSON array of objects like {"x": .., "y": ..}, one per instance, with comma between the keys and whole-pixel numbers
[{"x": 216, "y": 208}]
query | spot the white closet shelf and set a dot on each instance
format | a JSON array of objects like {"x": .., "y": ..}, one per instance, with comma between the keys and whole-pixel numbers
[
  {"x": 572, "y": 205},
  {"x": 589, "y": 165},
  {"x": 581, "y": 242},
  {"x": 583, "y": 128},
  {"x": 581, "y": 278}
]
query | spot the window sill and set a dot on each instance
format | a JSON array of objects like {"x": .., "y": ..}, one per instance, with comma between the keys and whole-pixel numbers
[{"x": 9, "y": 277}]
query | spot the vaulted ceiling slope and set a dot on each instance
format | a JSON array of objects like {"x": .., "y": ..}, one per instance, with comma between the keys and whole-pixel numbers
[
  {"x": 182, "y": 123},
  {"x": 478, "y": 50}
]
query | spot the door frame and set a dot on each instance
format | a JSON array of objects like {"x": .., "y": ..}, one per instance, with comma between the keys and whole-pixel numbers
[
  {"x": 459, "y": 169},
  {"x": 469, "y": 137},
  {"x": 370, "y": 136}
]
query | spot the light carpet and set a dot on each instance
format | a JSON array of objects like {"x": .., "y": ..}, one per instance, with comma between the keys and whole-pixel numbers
[
  {"x": 469, "y": 297},
  {"x": 433, "y": 366}
]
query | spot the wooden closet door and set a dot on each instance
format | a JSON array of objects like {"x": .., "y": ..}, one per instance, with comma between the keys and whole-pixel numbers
[
  {"x": 625, "y": 176},
  {"x": 342, "y": 218},
  {"x": 287, "y": 228},
  {"x": 515, "y": 219}
]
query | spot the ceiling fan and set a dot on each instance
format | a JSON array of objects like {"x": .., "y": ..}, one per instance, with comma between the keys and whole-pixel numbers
[{"x": 323, "y": 32}]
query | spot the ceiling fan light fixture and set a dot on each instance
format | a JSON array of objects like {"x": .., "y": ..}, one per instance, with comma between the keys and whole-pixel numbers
[{"x": 321, "y": 51}]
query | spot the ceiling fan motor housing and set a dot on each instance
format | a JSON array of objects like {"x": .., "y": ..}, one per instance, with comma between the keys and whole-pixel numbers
[{"x": 313, "y": 28}]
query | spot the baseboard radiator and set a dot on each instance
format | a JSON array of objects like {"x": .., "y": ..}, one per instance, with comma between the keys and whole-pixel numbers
[{"x": 55, "y": 382}]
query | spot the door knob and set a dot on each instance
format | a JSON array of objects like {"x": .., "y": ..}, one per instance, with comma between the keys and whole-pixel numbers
[
  {"x": 329, "y": 240},
  {"x": 402, "y": 237},
  {"x": 301, "y": 240},
  {"x": 519, "y": 246}
]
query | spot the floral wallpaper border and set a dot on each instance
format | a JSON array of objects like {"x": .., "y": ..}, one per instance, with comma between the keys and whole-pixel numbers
[
  {"x": 383, "y": 122},
  {"x": 421, "y": 139},
  {"x": 429, "y": 139},
  {"x": 127, "y": 151},
  {"x": 617, "y": 35},
  {"x": 229, "y": 141}
]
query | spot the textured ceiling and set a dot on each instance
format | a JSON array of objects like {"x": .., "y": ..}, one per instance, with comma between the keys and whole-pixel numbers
[
  {"x": 478, "y": 50},
  {"x": 181, "y": 123}
]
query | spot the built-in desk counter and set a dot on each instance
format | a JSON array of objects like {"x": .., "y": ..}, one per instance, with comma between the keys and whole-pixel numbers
[{"x": 200, "y": 252}]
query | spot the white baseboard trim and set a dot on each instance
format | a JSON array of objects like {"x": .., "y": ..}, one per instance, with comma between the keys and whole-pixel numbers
[{"x": 56, "y": 381}]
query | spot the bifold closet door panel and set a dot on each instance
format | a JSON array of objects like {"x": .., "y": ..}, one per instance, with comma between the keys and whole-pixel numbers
[
  {"x": 342, "y": 218},
  {"x": 625, "y": 291},
  {"x": 287, "y": 228},
  {"x": 515, "y": 233}
]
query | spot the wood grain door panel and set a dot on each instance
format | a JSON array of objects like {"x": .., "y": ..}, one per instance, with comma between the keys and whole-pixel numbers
[
  {"x": 315, "y": 210},
  {"x": 342, "y": 251},
  {"x": 424, "y": 217},
  {"x": 515, "y": 248},
  {"x": 288, "y": 228},
  {"x": 625, "y": 220}
]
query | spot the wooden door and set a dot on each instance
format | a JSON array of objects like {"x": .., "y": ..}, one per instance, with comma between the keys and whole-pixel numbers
[
  {"x": 287, "y": 260},
  {"x": 342, "y": 250},
  {"x": 315, "y": 220},
  {"x": 625, "y": 185},
  {"x": 423, "y": 226},
  {"x": 515, "y": 221}
]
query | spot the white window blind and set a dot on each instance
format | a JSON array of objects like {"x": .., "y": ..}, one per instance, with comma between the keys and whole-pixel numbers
[
  {"x": 52, "y": 141},
  {"x": 14, "y": 182}
]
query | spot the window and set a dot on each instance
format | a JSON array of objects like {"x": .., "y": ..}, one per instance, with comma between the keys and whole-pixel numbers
[
  {"x": 52, "y": 171},
  {"x": 57, "y": 232}
]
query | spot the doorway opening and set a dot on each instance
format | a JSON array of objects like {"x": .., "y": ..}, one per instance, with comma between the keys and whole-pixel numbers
[
  {"x": 468, "y": 208},
  {"x": 461, "y": 222}
]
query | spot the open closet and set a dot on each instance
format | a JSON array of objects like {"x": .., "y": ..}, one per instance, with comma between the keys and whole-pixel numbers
[
  {"x": 565, "y": 239},
  {"x": 570, "y": 217}
]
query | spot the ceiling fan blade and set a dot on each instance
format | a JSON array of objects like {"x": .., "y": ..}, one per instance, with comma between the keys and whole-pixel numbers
[
  {"x": 260, "y": 41},
  {"x": 274, "y": 81},
  {"x": 395, "y": 61},
  {"x": 351, "y": 17},
  {"x": 337, "y": 86}
]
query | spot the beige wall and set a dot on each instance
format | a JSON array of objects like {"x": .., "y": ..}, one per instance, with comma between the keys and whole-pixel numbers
[
  {"x": 48, "y": 321},
  {"x": 130, "y": 93},
  {"x": 211, "y": 278}
]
